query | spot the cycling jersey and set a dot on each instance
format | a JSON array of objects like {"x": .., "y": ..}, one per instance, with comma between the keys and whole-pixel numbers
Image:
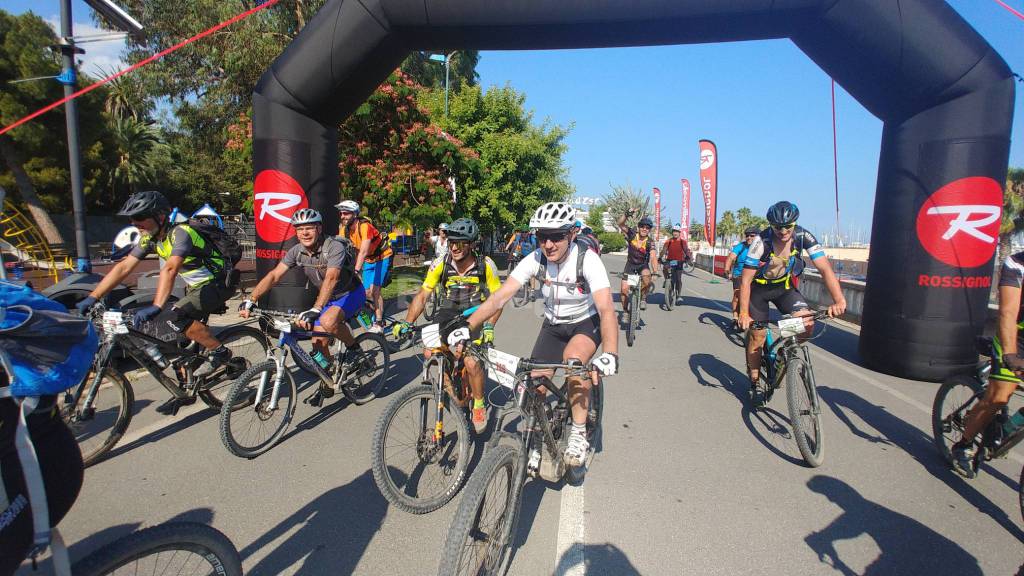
[
  {"x": 380, "y": 246},
  {"x": 676, "y": 249},
  {"x": 182, "y": 240},
  {"x": 1012, "y": 275},
  {"x": 462, "y": 290},
  {"x": 330, "y": 253},
  {"x": 780, "y": 268},
  {"x": 564, "y": 302},
  {"x": 522, "y": 244},
  {"x": 740, "y": 250},
  {"x": 638, "y": 251}
]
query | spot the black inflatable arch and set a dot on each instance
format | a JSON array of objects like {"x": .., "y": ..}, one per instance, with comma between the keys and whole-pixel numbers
[{"x": 945, "y": 96}]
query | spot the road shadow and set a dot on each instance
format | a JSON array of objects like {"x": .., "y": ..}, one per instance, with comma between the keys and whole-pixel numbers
[
  {"x": 174, "y": 425},
  {"x": 326, "y": 536},
  {"x": 906, "y": 545},
  {"x": 724, "y": 324},
  {"x": 707, "y": 303},
  {"x": 769, "y": 426},
  {"x": 894, "y": 431},
  {"x": 598, "y": 560}
]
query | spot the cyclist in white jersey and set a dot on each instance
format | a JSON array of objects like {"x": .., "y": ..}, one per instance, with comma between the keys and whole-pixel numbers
[{"x": 578, "y": 312}]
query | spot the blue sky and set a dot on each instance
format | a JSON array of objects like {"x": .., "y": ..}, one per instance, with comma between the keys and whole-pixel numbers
[{"x": 637, "y": 113}]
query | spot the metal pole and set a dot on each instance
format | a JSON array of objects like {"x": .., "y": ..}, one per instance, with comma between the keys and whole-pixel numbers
[
  {"x": 446, "y": 58},
  {"x": 82, "y": 263}
]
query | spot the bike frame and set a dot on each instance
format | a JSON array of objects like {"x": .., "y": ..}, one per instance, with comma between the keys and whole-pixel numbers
[
  {"x": 780, "y": 352},
  {"x": 289, "y": 341}
]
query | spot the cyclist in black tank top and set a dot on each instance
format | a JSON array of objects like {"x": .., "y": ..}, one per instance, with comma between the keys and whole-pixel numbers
[{"x": 641, "y": 257}]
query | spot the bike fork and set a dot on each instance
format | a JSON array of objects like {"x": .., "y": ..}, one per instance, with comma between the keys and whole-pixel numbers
[{"x": 261, "y": 388}]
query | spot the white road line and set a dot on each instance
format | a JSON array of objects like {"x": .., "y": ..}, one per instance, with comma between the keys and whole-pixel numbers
[{"x": 569, "y": 559}]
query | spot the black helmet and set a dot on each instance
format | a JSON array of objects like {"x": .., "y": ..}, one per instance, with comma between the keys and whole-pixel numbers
[
  {"x": 464, "y": 229},
  {"x": 783, "y": 213},
  {"x": 645, "y": 221},
  {"x": 751, "y": 230},
  {"x": 148, "y": 203}
]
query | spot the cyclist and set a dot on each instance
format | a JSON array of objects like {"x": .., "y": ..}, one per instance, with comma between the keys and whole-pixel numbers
[
  {"x": 183, "y": 251},
  {"x": 466, "y": 279},
  {"x": 772, "y": 259},
  {"x": 675, "y": 249},
  {"x": 641, "y": 257},
  {"x": 441, "y": 241},
  {"x": 326, "y": 262},
  {"x": 520, "y": 244},
  {"x": 734, "y": 268},
  {"x": 374, "y": 258},
  {"x": 1007, "y": 364},
  {"x": 578, "y": 311}
]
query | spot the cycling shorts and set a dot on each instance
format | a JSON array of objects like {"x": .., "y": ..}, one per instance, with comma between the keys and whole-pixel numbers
[
  {"x": 199, "y": 303},
  {"x": 553, "y": 338},
  {"x": 374, "y": 273},
  {"x": 636, "y": 268},
  {"x": 350, "y": 302},
  {"x": 999, "y": 372},
  {"x": 787, "y": 300}
]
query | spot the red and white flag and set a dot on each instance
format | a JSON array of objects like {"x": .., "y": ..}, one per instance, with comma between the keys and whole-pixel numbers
[
  {"x": 686, "y": 208},
  {"x": 709, "y": 187}
]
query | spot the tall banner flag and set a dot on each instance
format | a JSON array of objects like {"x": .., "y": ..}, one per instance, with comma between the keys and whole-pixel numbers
[
  {"x": 709, "y": 187},
  {"x": 657, "y": 214},
  {"x": 686, "y": 209}
]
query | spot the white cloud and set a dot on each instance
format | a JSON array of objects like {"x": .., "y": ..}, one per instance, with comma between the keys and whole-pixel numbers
[{"x": 100, "y": 58}]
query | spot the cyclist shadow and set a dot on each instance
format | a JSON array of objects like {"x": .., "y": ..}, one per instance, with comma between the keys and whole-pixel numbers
[
  {"x": 769, "y": 426},
  {"x": 894, "y": 431},
  {"x": 906, "y": 545},
  {"x": 725, "y": 325},
  {"x": 320, "y": 540},
  {"x": 174, "y": 425},
  {"x": 597, "y": 559}
]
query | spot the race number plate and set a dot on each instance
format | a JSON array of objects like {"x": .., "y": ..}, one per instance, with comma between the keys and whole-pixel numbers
[
  {"x": 113, "y": 321},
  {"x": 791, "y": 327},
  {"x": 502, "y": 367},
  {"x": 430, "y": 336},
  {"x": 633, "y": 280}
]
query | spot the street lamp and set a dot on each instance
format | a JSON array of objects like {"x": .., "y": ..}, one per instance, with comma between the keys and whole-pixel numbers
[{"x": 444, "y": 58}]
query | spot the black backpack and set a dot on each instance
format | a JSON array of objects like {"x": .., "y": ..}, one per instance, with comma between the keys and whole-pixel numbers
[
  {"x": 581, "y": 253},
  {"x": 224, "y": 244},
  {"x": 481, "y": 273}
]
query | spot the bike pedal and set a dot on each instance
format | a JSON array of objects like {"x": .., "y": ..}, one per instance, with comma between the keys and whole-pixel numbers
[{"x": 316, "y": 399}]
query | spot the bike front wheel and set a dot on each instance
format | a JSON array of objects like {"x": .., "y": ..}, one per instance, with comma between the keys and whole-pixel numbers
[
  {"x": 178, "y": 548},
  {"x": 249, "y": 428},
  {"x": 668, "y": 288},
  {"x": 365, "y": 371},
  {"x": 804, "y": 412},
  {"x": 481, "y": 533},
  {"x": 100, "y": 422},
  {"x": 949, "y": 411},
  {"x": 430, "y": 307},
  {"x": 419, "y": 463},
  {"x": 248, "y": 347}
]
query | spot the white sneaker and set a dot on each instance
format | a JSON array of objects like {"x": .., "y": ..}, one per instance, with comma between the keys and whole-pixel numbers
[
  {"x": 375, "y": 329},
  {"x": 576, "y": 452}
]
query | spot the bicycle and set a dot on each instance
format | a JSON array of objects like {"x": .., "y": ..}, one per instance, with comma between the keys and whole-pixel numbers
[
  {"x": 788, "y": 357},
  {"x": 175, "y": 548},
  {"x": 955, "y": 398},
  {"x": 485, "y": 524},
  {"x": 688, "y": 266},
  {"x": 267, "y": 391},
  {"x": 395, "y": 345},
  {"x": 421, "y": 442},
  {"x": 633, "y": 312},
  {"x": 99, "y": 409},
  {"x": 432, "y": 304},
  {"x": 672, "y": 285}
]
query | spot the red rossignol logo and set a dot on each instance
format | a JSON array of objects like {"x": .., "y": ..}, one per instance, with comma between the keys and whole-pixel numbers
[
  {"x": 959, "y": 224},
  {"x": 276, "y": 196}
]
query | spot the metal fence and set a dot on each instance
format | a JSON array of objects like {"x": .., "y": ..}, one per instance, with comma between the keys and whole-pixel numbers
[{"x": 244, "y": 230}]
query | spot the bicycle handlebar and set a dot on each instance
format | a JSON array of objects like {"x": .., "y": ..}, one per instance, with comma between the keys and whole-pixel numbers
[{"x": 818, "y": 315}]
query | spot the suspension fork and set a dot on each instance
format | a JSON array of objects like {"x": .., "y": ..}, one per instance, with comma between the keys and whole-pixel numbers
[
  {"x": 279, "y": 356},
  {"x": 92, "y": 387}
]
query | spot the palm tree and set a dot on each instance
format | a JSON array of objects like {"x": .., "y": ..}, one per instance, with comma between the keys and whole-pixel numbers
[
  {"x": 125, "y": 98},
  {"x": 1013, "y": 216},
  {"x": 135, "y": 140}
]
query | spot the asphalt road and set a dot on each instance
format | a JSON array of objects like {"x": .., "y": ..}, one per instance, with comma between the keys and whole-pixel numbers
[{"x": 689, "y": 481}]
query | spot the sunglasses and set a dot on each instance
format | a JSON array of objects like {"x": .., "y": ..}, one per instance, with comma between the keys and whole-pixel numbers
[
  {"x": 458, "y": 244},
  {"x": 140, "y": 217},
  {"x": 751, "y": 235},
  {"x": 786, "y": 227},
  {"x": 552, "y": 236}
]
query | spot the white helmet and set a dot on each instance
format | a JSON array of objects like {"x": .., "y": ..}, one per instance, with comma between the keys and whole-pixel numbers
[
  {"x": 553, "y": 216},
  {"x": 677, "y": 228},
  {"x": 348, "y": 206},
  {"x": 443, "y": 226},
  {"x": 306, "y": 216}
]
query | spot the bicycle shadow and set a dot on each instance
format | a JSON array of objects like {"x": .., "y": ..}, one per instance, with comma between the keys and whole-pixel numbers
[
  {"x": 725, "y": 325},
  {"x": 329, "y": 535},
  {"x": 174, "y": 425},
  {"x": 769, "y": 426},
  {"x": 906, "y": 545},
  {"x": 895, "y": 431},
  {"x": 598, "y": 559},
  {"x": 707, "y": 303}
]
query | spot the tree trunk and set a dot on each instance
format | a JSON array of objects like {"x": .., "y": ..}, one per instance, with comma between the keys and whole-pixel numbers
[{"x": 28, "y": 193}]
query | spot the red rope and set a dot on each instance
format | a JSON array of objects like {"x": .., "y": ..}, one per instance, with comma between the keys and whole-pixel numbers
[
  {"x": 139, "y": 64},
  {"x": 1012, "y": 11}
]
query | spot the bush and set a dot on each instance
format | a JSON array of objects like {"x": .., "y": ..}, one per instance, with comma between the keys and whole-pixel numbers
[{"x": 611, "y": 241}]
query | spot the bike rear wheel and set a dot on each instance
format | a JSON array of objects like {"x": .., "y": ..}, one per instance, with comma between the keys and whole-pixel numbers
[
  {"x": 430, "y": 307},
  {"x": 522, "y": 296},
  {"x": 667, "y": 287},
  {"x": 248, "y": 346},
  {"x": 415, "y": 470},
  {"x": 364, "y": 375},
  {"x": 804, "y": 412},
  {"x": 178, "y": 548},
  {"x": 481, "y": 533},
  {"x": 248, "y": 429},
  {"x": 100, "y": 424},
  {"x": 949, "y": 411},
  {"x": 634, "y": 315}
]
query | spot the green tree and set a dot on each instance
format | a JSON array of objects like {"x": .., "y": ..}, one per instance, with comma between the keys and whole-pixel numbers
[
  {"x": 135, "y": 141},
  {"x": 625, "y": 197},
  {"x": 696, "y": 231},
  {"x": 1013, "y": 217},
  {"x": 430, "y": 73},
  {"x": 595, "y": 217},
  {"x": 727, "y": 225}
]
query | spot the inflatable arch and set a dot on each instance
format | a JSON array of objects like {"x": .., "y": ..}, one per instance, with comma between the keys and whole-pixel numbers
[{"x": 945, "y": 96}]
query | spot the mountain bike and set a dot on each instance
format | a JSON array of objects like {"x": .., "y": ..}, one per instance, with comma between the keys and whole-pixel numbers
[
  {"x": 672, "y": 285},
  {"x": 177, "y": 548},
  {"x": 787, "y": 357},
  {"x": 421, "y": 445},
  {"x": 955, "y": 398},
  {"x": 484, "y": 526},
  {"x": 634, "y": 281},
  {"x": 99, "y": 410},
  {"x": 261, "y": 402}
]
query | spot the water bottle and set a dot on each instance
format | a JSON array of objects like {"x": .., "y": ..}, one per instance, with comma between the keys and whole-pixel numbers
[
  {"x": 1014, "y": 423},
  {"x": 153, "y": 351},
  {"x": 364, "y": 319}
]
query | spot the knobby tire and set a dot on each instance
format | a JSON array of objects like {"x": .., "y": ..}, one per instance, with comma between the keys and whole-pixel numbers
[
  {"x": 949, "y": 409},
  {"x": 803, "y": 414},
  {"x": 112, "y": 408},
  {"x": 237, "y": 425},
  {"x": 205, "y": 548}
]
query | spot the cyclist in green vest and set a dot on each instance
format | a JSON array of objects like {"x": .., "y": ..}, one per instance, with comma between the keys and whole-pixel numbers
[{"x": 184, "y": 252}]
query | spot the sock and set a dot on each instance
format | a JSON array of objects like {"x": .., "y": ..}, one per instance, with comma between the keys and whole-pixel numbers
[
  {"x": 580, "y": 429},
  {"x": 478, "y": 403}
]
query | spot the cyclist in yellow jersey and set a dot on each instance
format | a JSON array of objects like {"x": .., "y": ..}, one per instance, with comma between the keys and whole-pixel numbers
[{"x": 466, "y": 280}]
